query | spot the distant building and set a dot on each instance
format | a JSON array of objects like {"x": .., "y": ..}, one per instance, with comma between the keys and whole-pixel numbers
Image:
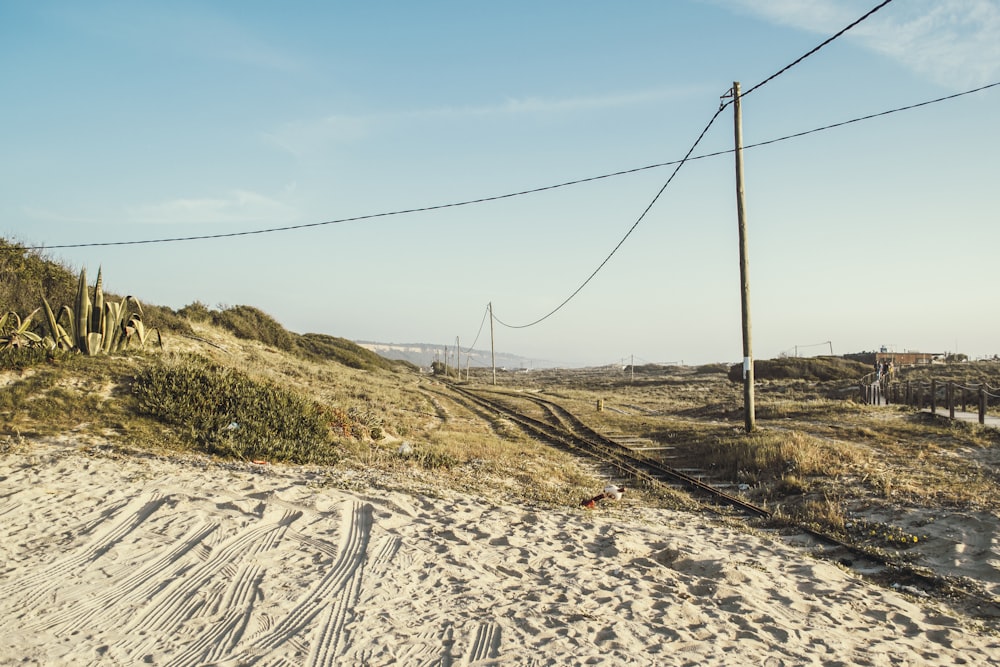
[{"x": 908, "y": 358}]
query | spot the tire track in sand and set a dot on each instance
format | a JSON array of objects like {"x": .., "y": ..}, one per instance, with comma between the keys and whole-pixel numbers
[
  {"x": 199, "y": 593},
  {"x": 115, "y": 605},
  {"x": 29, "y": 591},
  {"x": 330, "y": 600},
  {"x": 485, "y": 645},
  {"x": 234, "y": 618}
]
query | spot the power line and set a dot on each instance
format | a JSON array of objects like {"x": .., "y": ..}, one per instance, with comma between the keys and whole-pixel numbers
[
  {"x": 509, "y": 195},
  {"x": 681, "y": 163},
  {"x": 370, "y": 216},
  {"x": 463, "y": 203},
  {"x": 686, "y": 157},
  {"x": 816, "y": 48},
  {"x": 861, "y": 118},
  {"x": 678, "y": 163},
  {"x": 486, "y": 312},
  {"x": 624, "y": 238}
]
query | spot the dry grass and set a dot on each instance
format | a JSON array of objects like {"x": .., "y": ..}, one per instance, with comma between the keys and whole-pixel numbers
[
  {"x": 446, "y": 444},
  {"x": 816, "y": 456}
]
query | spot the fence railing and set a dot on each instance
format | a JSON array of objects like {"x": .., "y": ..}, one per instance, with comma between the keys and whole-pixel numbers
[
  {"x": 875, "y": 388},
  {"x": 932, "y": 395}
]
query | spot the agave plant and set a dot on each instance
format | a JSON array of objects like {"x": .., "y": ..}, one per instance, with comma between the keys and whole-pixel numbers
[
  {"x": 15, "y": 333},
  {"x": 58, "y": 337},
  {"x": 98, "y": 326}
]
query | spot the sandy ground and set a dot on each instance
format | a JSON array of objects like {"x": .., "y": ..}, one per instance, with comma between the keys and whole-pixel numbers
[{"x": 130, "y": 561}]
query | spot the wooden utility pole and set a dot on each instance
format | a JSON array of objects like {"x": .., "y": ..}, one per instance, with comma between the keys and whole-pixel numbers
[
  {"x": 493, "y": 351},
  {"x": 749, "y": 413},
  {"x": 458, "y": 359}
]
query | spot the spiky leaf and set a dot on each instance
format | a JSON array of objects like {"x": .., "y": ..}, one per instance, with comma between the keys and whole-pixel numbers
[
  {"x": 97, "y": 324},
  {"x": 83, "y": 309},
  {"x": 19, "y": 335},
  {"x": 60, "y": 339},
  {"x": 93, "y": 343},
  {"x": 112, "y": 326}
]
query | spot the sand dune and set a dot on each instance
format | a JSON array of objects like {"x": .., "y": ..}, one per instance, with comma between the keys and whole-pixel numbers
[{"x": 130, "y": 560}]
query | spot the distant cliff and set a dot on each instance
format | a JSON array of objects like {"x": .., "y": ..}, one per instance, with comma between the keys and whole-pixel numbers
[{"x": 424, "y": 354}]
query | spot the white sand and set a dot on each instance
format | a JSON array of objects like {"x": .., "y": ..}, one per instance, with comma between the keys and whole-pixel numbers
[{"x": 145, "y": 561}]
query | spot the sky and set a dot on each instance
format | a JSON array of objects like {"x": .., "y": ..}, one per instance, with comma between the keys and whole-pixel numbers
[{"x": 364, "y": 131}]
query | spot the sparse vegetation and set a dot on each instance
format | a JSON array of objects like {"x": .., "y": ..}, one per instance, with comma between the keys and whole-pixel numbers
[
  {"x": 818, "y": 458},
  {"x": 251, "y": 323},
  {"x": 232, "y": 382},
  {"x": 802, "y": 368}
]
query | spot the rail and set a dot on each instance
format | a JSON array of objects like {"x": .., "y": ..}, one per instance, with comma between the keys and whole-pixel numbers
[{"x": 566, "y": 430}]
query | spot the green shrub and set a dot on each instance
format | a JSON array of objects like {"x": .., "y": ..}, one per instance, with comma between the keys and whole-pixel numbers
[
  {"x": 196, "y": 311},
  {"x": 252, "y": 323},
  {"x": 330, "y": 348},
  {"x": 164, "y": 319},
  {"x": 25, "y": 275},
  {"x": 226, "y": 412}
]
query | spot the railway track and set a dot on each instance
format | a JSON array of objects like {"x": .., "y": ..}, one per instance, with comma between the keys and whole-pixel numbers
[{"x": 563, "y": 429}]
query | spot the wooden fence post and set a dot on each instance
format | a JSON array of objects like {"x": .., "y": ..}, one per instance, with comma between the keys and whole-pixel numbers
[
  {"x": 933, "y": 397},
  {"x": 982, "y": 403},
  {"x": 951, "y": 400}
]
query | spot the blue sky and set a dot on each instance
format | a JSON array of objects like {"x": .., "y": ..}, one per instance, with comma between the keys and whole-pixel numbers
[{"x": 126, "y": 121}]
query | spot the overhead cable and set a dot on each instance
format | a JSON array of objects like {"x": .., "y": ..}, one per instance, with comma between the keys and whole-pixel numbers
[
  {"x": 685, "y": 159},
  {"x": 509, "y": 195},
  {"x": 861, "y": 118},
  {"x": 624, "y": 238},
  {"x": 486, "y": 313},
  {"x": 816, "y": 48}
]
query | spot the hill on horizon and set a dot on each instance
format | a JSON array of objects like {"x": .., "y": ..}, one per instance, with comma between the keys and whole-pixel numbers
[{"x": 424, "y": 354}]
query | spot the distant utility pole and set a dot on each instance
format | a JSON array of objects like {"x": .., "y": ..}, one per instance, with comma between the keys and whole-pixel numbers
[
  {"x": 493, "y": 352},
  {"x": 749, "y": 413},
  {"x": 458, "y": 359}
]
